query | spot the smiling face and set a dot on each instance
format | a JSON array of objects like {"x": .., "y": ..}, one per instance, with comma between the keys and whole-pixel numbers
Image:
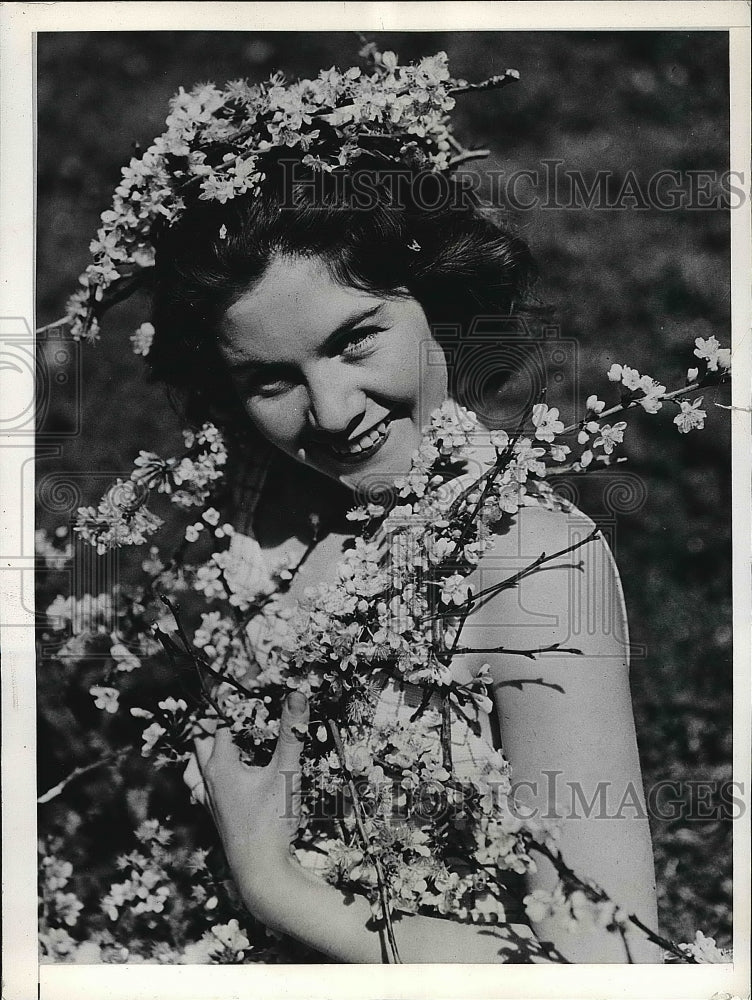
[{"x": 341, "y": 379}]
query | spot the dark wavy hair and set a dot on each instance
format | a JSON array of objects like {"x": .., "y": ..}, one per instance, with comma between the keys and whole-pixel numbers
[{"x": 393, "y": 232}]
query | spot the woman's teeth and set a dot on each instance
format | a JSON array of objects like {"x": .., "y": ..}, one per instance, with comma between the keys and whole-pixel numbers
[{"x": 363, "y": 443}]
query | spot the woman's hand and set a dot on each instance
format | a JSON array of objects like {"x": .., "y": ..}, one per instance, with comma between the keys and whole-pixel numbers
[{"x": 256, "y": 809}]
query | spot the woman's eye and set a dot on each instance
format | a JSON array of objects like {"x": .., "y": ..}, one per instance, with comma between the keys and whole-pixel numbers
[
  {"x": 274, "y": 388},
  {"x": 359, "y": 340},
  {"x": 268, "y": 387}
]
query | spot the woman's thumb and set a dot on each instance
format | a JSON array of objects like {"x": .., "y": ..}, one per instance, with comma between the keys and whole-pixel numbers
[{"x": 292, "y": 729}]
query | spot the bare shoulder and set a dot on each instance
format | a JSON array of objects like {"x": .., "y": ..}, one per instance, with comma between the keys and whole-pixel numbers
[
  {"x": 555, "y": 636},
  {"x": 551, "y": 578},
  {"x": 543, "y": 529},
  {"x": 558, "y": 542}
]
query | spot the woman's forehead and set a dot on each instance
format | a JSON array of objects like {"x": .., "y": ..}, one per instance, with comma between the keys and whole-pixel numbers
[{"x": 296, "y": 303}]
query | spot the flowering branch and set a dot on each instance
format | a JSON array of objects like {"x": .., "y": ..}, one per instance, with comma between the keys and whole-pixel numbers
[
  {"x": 358, "y": 813},
  {"x": 467, "y": 155},
  {"x": 595, "y": 893},
  {"x": 667, "y": 397},
  {"x": 62, "y": 321}
]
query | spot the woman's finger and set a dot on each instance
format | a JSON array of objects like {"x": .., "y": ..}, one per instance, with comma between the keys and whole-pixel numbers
[
  {"x": 292, "y": 727},
  {"x": 203, "y": 747},
  {"x": 194, "y": 780},
  {"x": 203, "y": 751},
  {"x": 225, "y": 752}
]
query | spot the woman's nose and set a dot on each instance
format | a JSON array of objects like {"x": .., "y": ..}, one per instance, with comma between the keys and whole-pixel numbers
[{"x": 335, "y": 406}]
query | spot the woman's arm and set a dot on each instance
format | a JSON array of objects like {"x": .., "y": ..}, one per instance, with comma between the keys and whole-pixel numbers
[
  {"x": 297, "y": 903},
  {"x": 566, "y": 719},
  {"x": 255, "y": 811}
]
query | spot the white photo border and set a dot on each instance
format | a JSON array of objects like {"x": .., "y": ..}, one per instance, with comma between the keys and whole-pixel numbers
[{"x": 23, "y": 977}]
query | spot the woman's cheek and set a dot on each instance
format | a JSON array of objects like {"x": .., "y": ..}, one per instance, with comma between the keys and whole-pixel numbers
[
  {"x": 418, "y": 369},
  {"x": 277, "y": 419}
]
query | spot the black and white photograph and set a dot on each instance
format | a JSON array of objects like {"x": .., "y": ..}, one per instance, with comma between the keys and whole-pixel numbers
[{"x": 386, "y": 477}]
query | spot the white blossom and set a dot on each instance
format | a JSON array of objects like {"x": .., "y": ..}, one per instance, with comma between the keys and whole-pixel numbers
[
  {"x": 105, "y": 698},
  {"x": 546, "y": 422},
  {"x": 151, "y": 736},
  {"x": 142, "y": 339},
  {"x": 705, "y": 951},
  {"x": 651, "y": 402},
  {"x": 690, "y": 417},
  {"x": 710, "y": 350},
  {"x": 609, "y": 437}
]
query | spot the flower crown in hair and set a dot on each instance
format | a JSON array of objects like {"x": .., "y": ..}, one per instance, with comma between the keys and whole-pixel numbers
[{"x": 218, "y": 143}]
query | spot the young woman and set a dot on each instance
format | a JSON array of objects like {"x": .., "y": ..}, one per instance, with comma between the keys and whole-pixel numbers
[{"x": 323, "y": 329}]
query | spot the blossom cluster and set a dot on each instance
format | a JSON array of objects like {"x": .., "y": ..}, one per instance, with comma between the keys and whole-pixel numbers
[
  {"x": 218, "y": 143},
  {"x": 55, "y": 551},
  {"x": 705, "y": 951},
  {"x": 644, "y": 391},
  {"x": 122, "y": 516},
  {"x": 143, "y": 913},
  {"x": 187, "y": 478},
  {"x": 61, "y": 907}
]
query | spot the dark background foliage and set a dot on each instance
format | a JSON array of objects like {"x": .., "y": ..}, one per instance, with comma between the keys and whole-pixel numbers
[{"x": 635, "y": 285}]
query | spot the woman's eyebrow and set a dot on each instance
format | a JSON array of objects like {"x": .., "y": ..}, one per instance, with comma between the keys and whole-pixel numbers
[
  {"x": 351, "y": 322},
  {"x": 253, "y": 365}
]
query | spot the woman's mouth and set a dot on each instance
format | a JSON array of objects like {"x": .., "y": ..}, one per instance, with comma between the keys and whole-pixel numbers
[{"x": 362, "y": 447}]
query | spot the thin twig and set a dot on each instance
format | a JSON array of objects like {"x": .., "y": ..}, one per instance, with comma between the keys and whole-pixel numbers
[
  {"x": 513, "y": 580},
  {"x": 529, "y": 653},
  {"x": 63, "y": 321},
  {"x": 193, "y": 655},
  {"x": 471, "y": 520},
  {"x": 627, "y": 949},
  {"x": 446, "y": 732},
  {"x": 173, "y": 651},
  {"x": 120, "y": 289},
  {"x": 428, "y": 693},
  {"x": 446, "y": 705},
  {"x": 283, "y": 585},
  {"x": 492, "y": 83},
  {"x": 468, "y": 155},
  {"x": 503, "y": 457},
  {"x": 110, "y": 758}
]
